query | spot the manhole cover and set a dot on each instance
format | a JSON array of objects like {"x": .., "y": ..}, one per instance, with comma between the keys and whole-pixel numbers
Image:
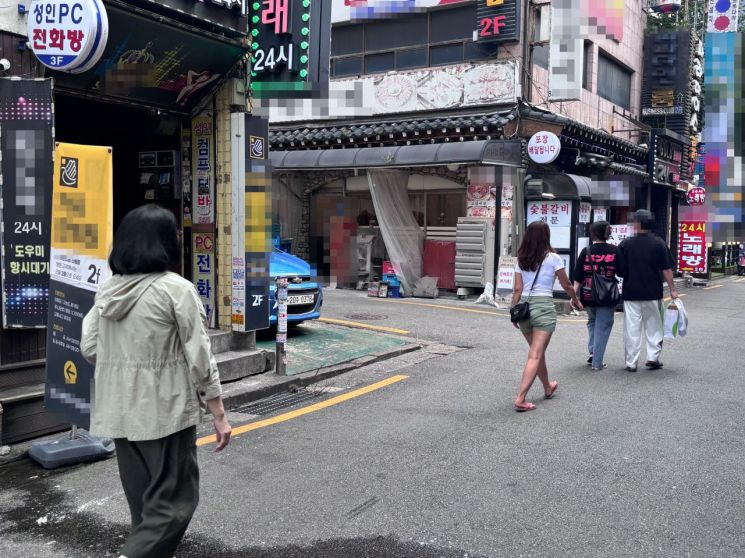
[{"x": 365, "y": 317}]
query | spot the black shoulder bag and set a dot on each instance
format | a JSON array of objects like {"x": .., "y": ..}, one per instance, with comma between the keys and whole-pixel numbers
[
  {"x": 521, "y": 311},
  {"x": 604, "y": 291}
]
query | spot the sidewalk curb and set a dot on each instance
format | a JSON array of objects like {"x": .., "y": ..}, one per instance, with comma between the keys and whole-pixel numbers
[{"x": 244, "y": 391}]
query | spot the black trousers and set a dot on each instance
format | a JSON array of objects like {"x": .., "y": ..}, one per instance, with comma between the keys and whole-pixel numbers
[{"x": 161, "y": 482}]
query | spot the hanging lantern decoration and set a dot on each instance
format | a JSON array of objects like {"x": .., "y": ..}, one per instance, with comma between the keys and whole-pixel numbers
[{"x": 665, "y": 6}]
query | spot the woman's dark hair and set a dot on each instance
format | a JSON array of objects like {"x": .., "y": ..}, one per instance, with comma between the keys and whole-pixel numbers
[
  {"x": 600, "y": 230},
  {"x": 146, "y": 242},
  {"x": 535, "y": 246}
]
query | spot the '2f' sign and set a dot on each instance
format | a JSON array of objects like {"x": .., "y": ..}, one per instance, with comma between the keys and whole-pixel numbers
[{"x": 258, "y": 300}]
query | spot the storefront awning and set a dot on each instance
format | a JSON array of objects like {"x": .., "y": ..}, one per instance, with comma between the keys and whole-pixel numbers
[
  {"x": 560, "y": 185},
  {"x": 156, "y": 63},
  {"x": 484, "y": 152}
]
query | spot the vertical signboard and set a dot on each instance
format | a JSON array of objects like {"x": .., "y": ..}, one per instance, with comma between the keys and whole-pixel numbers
[
  {"x": 203, "y": 198},
  {"x": 82, "y": 232},
  {"x": 203, "y": 273},
  {"x": 723, "y": 133},
  {"x": 692, "y": 249},
  {"x": 667, "y": 80},
  {"x": 290, "y": 48},
  {"x": 566, "y": 51},
  {"x": 251, "y": 222},
  {"x": 26, "y": 144}
]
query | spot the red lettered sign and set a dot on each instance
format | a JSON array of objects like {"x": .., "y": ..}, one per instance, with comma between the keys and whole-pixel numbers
[{"x": 692, "y": 250}]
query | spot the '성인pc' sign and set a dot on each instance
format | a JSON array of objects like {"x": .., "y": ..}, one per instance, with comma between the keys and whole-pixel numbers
[{"x": 68, "y": 35}]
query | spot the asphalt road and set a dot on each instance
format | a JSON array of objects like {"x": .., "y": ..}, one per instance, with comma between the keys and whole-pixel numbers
[{"x": 439, "y": 465}]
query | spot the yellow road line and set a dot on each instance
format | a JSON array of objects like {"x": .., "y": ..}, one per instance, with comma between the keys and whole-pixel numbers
[
  {"x": 306, "y": 410},
  {"x": 459, "y": 309},
  {"x": 364, "y": 326},
  {"x": 713, "y": 287},
  {"x": 668, "y": 299},
  {"x": 441, "y": 306},
  {"x": 739, "y": 280}
]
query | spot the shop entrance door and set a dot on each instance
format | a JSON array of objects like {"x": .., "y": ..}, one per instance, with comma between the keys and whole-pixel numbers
[{"x": 146, "y": 152}]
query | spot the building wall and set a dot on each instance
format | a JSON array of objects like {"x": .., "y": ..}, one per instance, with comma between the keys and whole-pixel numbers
[
  {"x": 352, "y": 98},
  {"x": 11, "y": 21},
  {"x": 592, "y": 109}
]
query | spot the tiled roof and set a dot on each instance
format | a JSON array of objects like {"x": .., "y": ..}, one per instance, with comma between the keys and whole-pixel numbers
[
  {"x": 361, "y": 132},
  {"x": 572, "y": 127},
  {"x": 355, "y": 133}
]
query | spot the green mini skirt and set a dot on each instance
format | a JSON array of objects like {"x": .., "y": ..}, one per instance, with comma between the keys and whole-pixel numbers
[{"x": 542, "y": 314}]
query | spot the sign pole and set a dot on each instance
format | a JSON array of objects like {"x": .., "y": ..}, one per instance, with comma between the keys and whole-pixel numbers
[{"x": 281, "y": 355}]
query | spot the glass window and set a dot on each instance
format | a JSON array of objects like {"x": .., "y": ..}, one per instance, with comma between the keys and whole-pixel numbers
[
  {"x": 396, "y": 33},
  {"x": 587, "y": 67},
  {"x": 411, "y": 58},
  {"x": 382, "y": 62},
  {"x": 347, "y": 66},
  {"x": 453, "y": 24},
  {"x": 614, "y": 81},
  {"x": 445, "y": 54},
  {"x": 443, "y": 210},
  {"x": 479, "y": 51},
  {"x": 540, "y": 52},
  {"x": 347, "y": 40}
]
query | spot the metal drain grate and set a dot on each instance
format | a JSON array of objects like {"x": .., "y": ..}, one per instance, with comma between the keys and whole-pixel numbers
[
  {"x": 366, "y": 317},
  {"x": 276, "y": 403}
]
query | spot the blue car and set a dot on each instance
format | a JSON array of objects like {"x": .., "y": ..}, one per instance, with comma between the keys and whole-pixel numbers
[{"x": 304, "y": 294}]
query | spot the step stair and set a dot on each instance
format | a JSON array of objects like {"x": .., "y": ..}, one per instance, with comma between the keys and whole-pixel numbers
[
  {"x": 237, "y": 356},
  {"x": 22, "y": 412}
]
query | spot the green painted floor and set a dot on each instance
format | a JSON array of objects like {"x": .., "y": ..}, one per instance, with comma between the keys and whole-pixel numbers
[{"x": 313, "y": 346}]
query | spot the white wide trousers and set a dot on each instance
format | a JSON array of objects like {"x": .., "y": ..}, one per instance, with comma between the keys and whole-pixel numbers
[{"x": 642, "y": 318}]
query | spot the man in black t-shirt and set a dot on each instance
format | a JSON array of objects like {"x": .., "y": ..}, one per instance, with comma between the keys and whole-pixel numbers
[{"x": 647, "y": 263}]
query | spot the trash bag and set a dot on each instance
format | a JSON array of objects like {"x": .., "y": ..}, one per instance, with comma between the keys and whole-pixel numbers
[{"x": 487, "y": 297}]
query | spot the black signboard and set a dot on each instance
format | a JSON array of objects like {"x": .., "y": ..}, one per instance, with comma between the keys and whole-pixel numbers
[
  {"x": 69, "y": 375},
  {"x": 290, "y": 48},
  {"x": 666, "y": 79},
  {"x": 27, "y": 147},
  {"x": 226, "y": 14},
  {"x": 155, "y": 64},
  {"x": 666, "y": 158},
  {"x": 258, "y": 221},
  {"x": 498, "y": 21}
]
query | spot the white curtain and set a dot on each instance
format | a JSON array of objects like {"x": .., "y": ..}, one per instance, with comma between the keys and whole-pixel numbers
[{"x": 403, "y": 238}]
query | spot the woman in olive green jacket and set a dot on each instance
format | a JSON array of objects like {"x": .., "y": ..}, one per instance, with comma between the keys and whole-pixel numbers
[{"x": 154, "y": 369}]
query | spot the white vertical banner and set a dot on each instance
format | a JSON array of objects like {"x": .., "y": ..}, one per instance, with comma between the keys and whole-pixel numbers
[
  {"x": 238, "y": 237},
  {"x": 566, "y": 51}
]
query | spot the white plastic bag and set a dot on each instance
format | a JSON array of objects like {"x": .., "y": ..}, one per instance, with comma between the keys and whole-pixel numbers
[{"x": 676, "y": 320}]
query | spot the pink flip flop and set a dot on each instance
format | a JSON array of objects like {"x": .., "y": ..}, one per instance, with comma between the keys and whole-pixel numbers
[
  {"x": 524, "y": 407},
  {"x": 550, "y": 394}
]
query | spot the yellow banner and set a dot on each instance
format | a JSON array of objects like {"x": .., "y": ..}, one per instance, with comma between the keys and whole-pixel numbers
[{"x": 82, "y": 205}]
